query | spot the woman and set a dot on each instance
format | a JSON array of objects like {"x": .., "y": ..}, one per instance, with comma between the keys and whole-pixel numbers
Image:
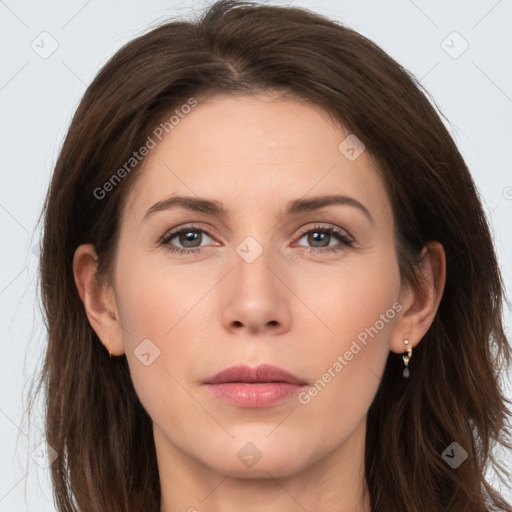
[{"x": 269, "y": 282}]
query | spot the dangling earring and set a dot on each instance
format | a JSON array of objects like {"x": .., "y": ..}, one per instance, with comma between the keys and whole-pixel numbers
[
  {"x": 113, "y": 315},
  {"x": 406, "y": 358}
]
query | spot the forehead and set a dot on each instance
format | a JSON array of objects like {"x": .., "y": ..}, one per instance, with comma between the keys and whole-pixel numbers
[{"x": 253, "y": 150}]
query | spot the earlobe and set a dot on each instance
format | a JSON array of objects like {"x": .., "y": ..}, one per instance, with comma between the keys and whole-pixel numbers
[
  {"x": 421, "y": 302},
  {"x": 98, "y": 299}
]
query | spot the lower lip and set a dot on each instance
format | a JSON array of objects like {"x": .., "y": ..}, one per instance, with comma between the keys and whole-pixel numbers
[{"x": 254, "y": 395}]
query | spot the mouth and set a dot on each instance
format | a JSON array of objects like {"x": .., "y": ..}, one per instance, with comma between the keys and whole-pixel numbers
[{"x": 261, "y": 386}]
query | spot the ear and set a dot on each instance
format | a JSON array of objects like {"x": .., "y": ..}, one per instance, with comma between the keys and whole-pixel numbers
[
  {"x": 420, "y": 304},
  {"x": 98, "y": 299}
]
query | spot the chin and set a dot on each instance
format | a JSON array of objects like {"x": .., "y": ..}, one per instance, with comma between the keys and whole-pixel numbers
[{"x": 257, "y": 457}]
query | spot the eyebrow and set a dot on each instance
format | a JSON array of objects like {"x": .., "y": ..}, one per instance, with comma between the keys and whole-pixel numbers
[{"x": 216, "y": 208}]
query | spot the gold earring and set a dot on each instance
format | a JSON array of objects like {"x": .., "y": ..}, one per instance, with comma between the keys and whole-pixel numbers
[
  {"x": 108, "y": 348},
  {"x": 406, "y": 358}
]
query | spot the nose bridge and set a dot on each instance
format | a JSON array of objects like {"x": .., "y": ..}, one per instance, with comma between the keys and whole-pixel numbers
[
  {"x": 252, "y": 261},
  {"x": 256, "y": 297}
]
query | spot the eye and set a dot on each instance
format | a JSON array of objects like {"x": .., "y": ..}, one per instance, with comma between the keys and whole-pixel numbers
[
  {"x": 321, "y": 237},
  {"x": 189, "y": 237}
]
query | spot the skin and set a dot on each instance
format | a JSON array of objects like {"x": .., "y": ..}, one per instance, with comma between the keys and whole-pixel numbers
[{"x": 292, "y": 308}]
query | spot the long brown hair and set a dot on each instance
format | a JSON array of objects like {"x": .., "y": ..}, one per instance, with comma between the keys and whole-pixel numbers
[{"x": 94, "y": 420}]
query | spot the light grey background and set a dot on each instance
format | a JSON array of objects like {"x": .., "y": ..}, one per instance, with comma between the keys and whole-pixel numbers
[{"x": 39, "y": 93}]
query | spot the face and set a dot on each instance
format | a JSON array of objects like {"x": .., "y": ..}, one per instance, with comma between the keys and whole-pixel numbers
[{"x": 312, "y": 290}]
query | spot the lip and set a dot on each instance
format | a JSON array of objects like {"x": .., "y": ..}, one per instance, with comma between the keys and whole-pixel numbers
[
  {"x": 260, "y": 386},
  {"x": 261, "y": 373}
]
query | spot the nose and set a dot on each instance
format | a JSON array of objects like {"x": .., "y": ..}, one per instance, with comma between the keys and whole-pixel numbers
[{"x": 256, "y": 298}]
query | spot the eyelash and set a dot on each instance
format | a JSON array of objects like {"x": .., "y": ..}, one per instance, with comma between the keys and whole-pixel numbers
[{"x": 345, "y": 239}]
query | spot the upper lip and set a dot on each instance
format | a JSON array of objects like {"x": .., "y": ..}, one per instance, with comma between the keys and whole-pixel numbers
[{"x": 261, "y": 373}]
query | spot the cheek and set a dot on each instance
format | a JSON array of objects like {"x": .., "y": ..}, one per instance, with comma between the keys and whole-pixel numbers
[
  {"x": 167, "y": 306},
  {"x": 352, "y": 296},
  {"x": 359, "y": 304},
  {"x": 151, "y": 298}
]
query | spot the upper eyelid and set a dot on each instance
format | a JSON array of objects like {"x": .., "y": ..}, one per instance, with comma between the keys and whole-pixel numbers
[
  {"x": 327, "y": 226},
  {"x": 171, "y": 233}
]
